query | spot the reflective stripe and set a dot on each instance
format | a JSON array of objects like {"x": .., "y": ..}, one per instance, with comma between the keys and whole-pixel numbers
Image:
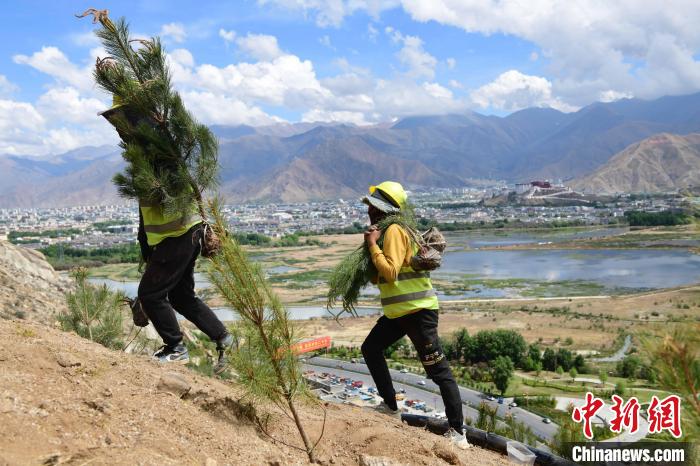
[
  {"x": 407, "y": 276},
  {"x": 402, "y": 298},
  {"x": 170, "y": 226}
]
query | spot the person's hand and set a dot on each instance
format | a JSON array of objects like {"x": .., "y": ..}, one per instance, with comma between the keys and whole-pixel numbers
[{"x": 372, "y": 235}]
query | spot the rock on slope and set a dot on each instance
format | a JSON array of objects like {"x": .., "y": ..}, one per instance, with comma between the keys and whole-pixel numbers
[
  {"x": 29, "y": 287},
  {"x": 661, "y": 163},
  {"x": 66, "y": 400}
]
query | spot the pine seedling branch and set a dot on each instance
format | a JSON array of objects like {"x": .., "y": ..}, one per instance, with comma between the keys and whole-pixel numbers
[
  {"x": 356, "y": 270},
  {"x": 266, "y": 363},
  {"x": 171, "y": 158}
]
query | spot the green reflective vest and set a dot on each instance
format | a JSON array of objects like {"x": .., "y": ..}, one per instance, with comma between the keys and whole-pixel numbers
[
  {"x": 159, "y": 226},
  {"x": 411, "y": 292}
]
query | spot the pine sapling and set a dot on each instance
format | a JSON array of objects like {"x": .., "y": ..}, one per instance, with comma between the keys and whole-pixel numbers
[
  {"x": 265, "y": 363},
  {"x": 94, "y": 312}
]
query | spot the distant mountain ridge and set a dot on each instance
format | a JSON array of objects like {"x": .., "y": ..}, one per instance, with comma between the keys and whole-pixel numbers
[
  {"x": 661, "y": 163},
  {"x": 303, "y": 161}
]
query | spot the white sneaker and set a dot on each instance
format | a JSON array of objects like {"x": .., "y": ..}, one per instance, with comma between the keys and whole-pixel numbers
[
  {"x": 384, "y": 408},
  {"x": 458, "y": 439}
]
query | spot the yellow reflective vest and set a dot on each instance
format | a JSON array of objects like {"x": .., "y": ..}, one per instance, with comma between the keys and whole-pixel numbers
[
  {"x": 407, "y": 291},
  {"x": 159, "y": 226}
]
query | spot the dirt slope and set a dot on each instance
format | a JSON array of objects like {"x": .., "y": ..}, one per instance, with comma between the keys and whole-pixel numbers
[
  {"x": 29, "y": 287},
  {"x": 65, "y": 400}
]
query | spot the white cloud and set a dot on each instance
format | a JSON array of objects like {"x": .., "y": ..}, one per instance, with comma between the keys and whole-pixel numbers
[
  {"x": 590, "y": 44},
  {"x": 67, "y": 106},
  {"x": 259, "y": 46},
  {"x": 319, "y": 115},
  {"x": 454, "y": 84},
  {"x": 221, "y": 109},
  {"x": 437, "y": 91},
  {"x": 332, "y": 12},
  {"x": 174, "y": 31},
  {"x": 26, "y": 129},
  {"x": 451, "y": 63},
  {"x": 611, "y": 96},
  {"x": 372, "y": 32},
  {"x": 18, "y": 123},
  {"x": 534, "y": 56},
  {"x": 85, "y": 39},
  {"x": 227, "y": 36},
  {"x": 6, "y": 87},
  {"x": 326, "y": 42},
  {"x": 514, "y": 90},
  {"x": 182, "y": 57},
  {"x": 412, "y": 55},
  {"x": 52, "y": 61}
]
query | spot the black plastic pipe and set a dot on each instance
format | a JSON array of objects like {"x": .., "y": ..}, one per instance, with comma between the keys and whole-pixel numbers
[{"x": 483, "y": 439}]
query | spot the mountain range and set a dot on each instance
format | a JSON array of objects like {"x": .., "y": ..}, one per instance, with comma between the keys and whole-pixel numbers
[
  {"x": 304, "y": 161},
  {"x": 660, "y": 163}
]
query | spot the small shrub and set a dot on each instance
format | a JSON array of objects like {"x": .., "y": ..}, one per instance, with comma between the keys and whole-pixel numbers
[{"x": 94, "y": 312}]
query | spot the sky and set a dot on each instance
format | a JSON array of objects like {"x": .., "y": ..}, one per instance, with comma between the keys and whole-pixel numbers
[{"x": 261, "y": 62}]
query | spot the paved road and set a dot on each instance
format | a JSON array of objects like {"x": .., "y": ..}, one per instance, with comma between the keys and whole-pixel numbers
[
  {"x": 412, "y": 393},
  {"x": 470, "y": 397},
  {"x": 619, "y": 354}
]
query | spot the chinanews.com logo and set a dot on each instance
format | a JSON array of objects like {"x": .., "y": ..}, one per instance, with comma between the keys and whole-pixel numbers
[{"x": 661, "y": 415}]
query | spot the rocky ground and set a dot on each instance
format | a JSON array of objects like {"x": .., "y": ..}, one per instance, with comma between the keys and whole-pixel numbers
[
  {"x": 29, "y": 287},
  {"x": 66, "y": 400}
]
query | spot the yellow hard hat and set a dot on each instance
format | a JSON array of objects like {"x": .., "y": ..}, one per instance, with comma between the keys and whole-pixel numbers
[
  {"x": 116, "y": 103},
  {"x": 388, "y": 196}
]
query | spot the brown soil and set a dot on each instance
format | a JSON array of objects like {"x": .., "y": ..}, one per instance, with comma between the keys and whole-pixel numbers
[{"x": 66, "y": 400}]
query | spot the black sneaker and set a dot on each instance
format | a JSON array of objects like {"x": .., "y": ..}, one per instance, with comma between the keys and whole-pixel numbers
[
  {"x": 223, "y": 344},
  {"x": 177, "y": 353}
]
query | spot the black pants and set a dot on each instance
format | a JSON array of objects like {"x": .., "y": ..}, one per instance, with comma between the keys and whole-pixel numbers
[
  {"x": 168, "y": 283},
  {"x": 421, "y": 328}
]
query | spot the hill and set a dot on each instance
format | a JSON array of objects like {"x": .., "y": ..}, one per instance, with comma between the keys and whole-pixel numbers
[
  {"x": 29, "y": 287},
  {"x": 66, "y": 400},
  {"x": 661, "y": 163},
  {"x": 303, "y": 161}
]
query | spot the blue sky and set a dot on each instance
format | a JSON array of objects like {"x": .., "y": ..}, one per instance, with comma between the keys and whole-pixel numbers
[{"x": 260, "y": 62}]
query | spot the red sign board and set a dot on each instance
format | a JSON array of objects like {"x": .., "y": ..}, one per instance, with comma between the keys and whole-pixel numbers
[{"x": 311, "y": 345}]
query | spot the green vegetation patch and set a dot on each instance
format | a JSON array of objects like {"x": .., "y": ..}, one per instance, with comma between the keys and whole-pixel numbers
[{"x": 65, "y": 257}]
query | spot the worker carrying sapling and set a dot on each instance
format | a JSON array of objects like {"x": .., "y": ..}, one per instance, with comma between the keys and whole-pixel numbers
[
  {"x": 398, "y": 260},
  {"x": 171, "y": 159}
]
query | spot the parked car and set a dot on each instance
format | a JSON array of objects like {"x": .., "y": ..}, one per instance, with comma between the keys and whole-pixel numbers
[
  {"x": 513, "y": 404},
  {"x": 546, "y": 420},
  {"x": 500, "y": 400},
  {"x": 404, "y": 370},
  {"x": 400, "y": 396},
  {"x": 490, "y": 398},
  {"x": 421, "y": 382},
  {"x": 402, "y": 390}
]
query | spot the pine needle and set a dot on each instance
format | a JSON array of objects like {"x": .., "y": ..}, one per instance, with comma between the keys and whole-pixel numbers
[{"x": 356, "y": 270}]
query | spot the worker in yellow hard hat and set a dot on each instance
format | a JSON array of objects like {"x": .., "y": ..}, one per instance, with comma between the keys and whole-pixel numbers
[{"x": 410, "y": 307}]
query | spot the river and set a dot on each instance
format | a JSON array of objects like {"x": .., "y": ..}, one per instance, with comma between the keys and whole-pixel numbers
[{"x": 610, "y": 270}]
